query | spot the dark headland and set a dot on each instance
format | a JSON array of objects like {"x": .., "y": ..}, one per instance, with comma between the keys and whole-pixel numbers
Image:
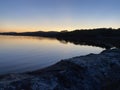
[{"x": 102, "y": 37}]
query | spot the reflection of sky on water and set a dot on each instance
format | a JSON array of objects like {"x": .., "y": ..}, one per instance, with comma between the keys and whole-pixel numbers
[{"x": 19, "y": 54}]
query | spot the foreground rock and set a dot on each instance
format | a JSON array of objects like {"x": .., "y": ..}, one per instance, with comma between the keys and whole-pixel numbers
[{"x": 91, "y": 72}]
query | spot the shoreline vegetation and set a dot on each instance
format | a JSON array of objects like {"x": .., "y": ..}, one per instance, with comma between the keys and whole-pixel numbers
[
  {"x": 90, "y": 72},
  {"x": 102, "y": 37}
]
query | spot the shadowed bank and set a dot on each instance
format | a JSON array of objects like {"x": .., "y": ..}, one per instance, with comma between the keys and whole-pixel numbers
[{"x": 102, "y": 37}]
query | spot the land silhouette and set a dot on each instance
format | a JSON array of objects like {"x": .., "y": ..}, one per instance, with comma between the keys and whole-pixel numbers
[{"x": 102, "y": 37}]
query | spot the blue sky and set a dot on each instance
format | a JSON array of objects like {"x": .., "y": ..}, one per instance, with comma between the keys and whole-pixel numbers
[{"x": 57, "y": 15}]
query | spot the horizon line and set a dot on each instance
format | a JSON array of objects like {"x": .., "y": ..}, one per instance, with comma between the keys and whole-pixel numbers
[{"x": 59, "y": 31}]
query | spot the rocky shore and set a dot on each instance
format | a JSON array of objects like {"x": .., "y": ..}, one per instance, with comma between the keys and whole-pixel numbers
[{"x": 90, "y": 72}]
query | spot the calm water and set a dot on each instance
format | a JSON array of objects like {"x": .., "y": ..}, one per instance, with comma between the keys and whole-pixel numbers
[{"x": 20, "y": 54}]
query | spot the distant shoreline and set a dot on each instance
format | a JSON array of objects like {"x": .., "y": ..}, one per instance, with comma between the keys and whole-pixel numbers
[{"x": 102, "y": 37}]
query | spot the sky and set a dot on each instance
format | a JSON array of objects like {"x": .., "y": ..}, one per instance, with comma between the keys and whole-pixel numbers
[{"x": 57, "y": 15}]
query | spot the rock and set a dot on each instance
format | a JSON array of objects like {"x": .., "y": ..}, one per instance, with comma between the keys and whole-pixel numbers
[{"x": 90, "y": 72}]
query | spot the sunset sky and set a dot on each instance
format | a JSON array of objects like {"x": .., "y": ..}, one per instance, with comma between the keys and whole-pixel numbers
[{"x": 57, "y": 15}]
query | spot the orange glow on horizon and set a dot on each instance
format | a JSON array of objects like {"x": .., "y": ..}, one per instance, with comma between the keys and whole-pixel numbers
[{"x": 69, "y": 27}]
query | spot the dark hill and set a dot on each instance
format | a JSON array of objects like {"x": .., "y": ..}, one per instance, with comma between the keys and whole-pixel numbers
[{"x": 102, "y": 37}]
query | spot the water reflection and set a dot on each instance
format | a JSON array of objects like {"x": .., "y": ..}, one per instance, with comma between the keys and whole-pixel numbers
[
  {"x": 23, "y": 53},
  {"x": 95, "y": 43}
]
